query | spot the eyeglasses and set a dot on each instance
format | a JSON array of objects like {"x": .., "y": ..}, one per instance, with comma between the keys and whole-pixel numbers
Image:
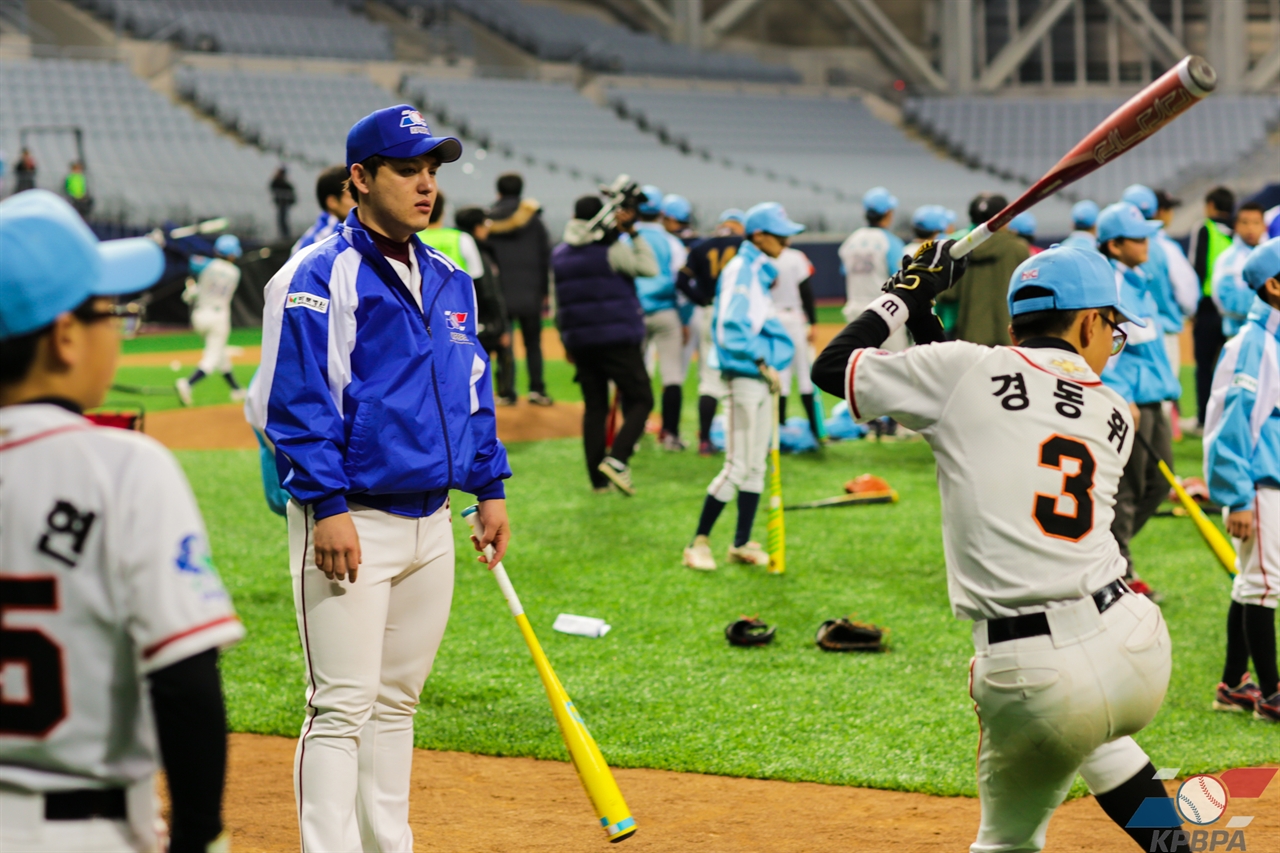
[
  {"x": 1118, "y": 335},
  {"x": 127, "y": 316}
]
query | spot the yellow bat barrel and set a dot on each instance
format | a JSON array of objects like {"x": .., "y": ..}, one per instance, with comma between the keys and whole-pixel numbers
[
  {"x": 1208, "y": 531},
  {"x": 776, "y": 541}
]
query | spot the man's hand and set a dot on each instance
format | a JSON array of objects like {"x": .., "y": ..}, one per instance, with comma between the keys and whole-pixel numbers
[
  {"x": 771, "y": 376},
  {"x": 930, "y": 272},
  {"x": 497, "y": 531},
  {"x": 685, "y": 334},
  {"x": 337, "y": 547},
  {"x": 1240, "y": 524}
]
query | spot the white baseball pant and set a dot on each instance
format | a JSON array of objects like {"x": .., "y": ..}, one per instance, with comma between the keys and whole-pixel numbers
[
  {"x": 663, "y": 331},
  {"x": 748, "y": 432},
  {"x": 25, "y": 828},
  {"x": 1060, "y": 704},
  {"x": 797, "y": 326},
  {"x": 710, "y": 379},
  {"x": 1173, "y": 350},
  {"x": 1258, "y": 557},
  {"x": 215, "y": 325},
  {"x": 368, "y": 648}
]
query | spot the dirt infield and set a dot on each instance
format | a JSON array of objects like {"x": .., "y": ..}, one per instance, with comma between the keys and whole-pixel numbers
[
  {"x": 224, "y": 427},
  {"x": 476, "y": 804}
]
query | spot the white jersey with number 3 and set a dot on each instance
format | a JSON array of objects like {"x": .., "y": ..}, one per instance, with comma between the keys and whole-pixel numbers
[
  {"x": 1030, "y": 448},
  {"x": 105, "y": 577}
]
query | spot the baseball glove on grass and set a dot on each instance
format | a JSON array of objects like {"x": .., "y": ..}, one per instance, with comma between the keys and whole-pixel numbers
[
  {"x": 749, "y": 631},
  {"x": 843, "y": 635}
]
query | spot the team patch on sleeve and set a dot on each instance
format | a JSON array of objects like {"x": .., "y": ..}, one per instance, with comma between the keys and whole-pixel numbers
[
  {"x": 307, "y": 300},
  {"x": 1245, "y": 381}
]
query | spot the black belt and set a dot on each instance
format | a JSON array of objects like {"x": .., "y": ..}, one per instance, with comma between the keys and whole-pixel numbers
[
  {"x": 1037, "y": 624},
  {"x": 86, "y": 804}
]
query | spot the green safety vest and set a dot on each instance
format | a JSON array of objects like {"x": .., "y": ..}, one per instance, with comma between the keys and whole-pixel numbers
[
  {"x": 1219, "y": 242},
  {"x": 76, "y": 186},
  {"x": 448, "y": 242}
]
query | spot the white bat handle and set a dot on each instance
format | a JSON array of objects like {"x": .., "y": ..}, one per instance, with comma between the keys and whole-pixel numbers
[
  {"x": 472, "y": 516},
  {"x": 971, "y": 241}
]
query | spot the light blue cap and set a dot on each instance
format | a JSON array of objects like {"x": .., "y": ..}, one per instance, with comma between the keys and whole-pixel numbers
[
  {"x": 197, "y": 263},
  {"x": 228, "y": 245},
  {"x": 51, "y": 262},
  {"x": 879, "y": 200},
  {"x": 1084, "y": 214},
  {"x": 652, "y": 202},
  {"x": 1143, "y": 198},
  {"x": 771, "y": 218},
  {"x": 1263, "y": 263},
  {"x": 1076, "y": 278},
  {"x": 1123, "y": 219},
  {"x": 731, "y": 214},
  {"x": 1024, "y": 224},
  {"x": 932, "y": 217},
  {"x": 676, "y": 207}
]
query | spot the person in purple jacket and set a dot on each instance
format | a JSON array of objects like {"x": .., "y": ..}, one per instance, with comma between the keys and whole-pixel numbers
[{"x": 602, "y": 327}]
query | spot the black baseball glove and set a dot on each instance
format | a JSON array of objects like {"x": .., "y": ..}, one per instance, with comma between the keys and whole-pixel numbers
[
  {"x": 931, "y": 271},
  {"x": 749, "y": 631},
  {"x": 842, "y": 635}
]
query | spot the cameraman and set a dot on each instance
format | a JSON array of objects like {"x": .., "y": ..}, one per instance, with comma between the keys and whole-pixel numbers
[{"x": 602, "y": 326}]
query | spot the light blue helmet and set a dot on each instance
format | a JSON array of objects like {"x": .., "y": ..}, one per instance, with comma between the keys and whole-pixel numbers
[
  {"x": 228, "y": 245},
  {"x": 651, "y": 205},
  {"x": 1024, "y": 224},
  {"x": 879, "y": 200},
  {"x": 1084, "y": 214},
  {"x": 1143, "y": 198},
  {"x": 676, "y": 207},
  {"x": 771, "y": 218},
  {"x": 1263, "y": 263},
  {"x": 932, "y": 217},
  {"x": 732, "y": 214},
  {"x": 1123, "y": 219},
  {"x": 197, "y": 263}
]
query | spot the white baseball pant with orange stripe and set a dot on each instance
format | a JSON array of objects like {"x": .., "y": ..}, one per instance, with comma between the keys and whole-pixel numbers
[{"x": 1258, "y": 557}]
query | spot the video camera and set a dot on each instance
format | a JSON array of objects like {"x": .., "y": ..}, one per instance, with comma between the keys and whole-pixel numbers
[{"x": 622, "y": 193}]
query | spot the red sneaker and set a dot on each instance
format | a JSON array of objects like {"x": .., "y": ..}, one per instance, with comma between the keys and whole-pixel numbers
[
  {"x": 1268, "y": 709},
  {"x": 1243, "y": 697}
]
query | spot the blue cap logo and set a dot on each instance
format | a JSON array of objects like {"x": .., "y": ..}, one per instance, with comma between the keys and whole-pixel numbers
[
  {"x": 414, "y": 119},
  {"x": 399, "y": 132}
]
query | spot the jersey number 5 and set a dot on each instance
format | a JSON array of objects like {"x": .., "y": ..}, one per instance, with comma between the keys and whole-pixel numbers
[
  {"x": 34, "y": 710},
  {"x": 1059, "y": 452}
]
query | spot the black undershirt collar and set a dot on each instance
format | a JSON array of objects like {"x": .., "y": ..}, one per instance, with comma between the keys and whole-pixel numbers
[
  {"x": 60, "y": 402},
  {"x": 1049, "y": 343}
]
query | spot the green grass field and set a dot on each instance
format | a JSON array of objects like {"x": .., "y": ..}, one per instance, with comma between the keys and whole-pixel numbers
[{"x": 663, "y": 689}]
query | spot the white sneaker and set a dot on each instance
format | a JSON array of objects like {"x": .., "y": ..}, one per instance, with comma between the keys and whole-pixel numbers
[
  {"x": 750, "y": 554},
  {"x": 618, "y": 473},
  {"x": 698, "y": 555},
  {"x": 238, "y": 395},
  {"x": 183, "y": 387},
  {"x": 671, "y": 443}
]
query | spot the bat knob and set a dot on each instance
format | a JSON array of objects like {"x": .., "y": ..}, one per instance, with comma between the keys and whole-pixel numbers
[{"x": 1201, "y": 74}]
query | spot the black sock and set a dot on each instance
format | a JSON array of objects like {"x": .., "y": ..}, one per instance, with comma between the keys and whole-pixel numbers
[
  {"x": 706, "y": 414},
  {"x": 811, "y": 409},
  {"x": 671, "y": 398},
  {"x": 196, "y": 377},
  {"x": 1123, "y": 802},
  {"x": 711, "y": 510},
  {"x": 1260, "y": 631},
  {"x": 782, "y": 409},
  {"x": 1237, "y": 646},
  {"x": 747, "y": 503},
  {"x": 231, "y": 380}
]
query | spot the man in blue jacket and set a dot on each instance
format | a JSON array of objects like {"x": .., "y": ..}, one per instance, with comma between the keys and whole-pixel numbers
[
  {"x": 1141, "y": 375},
  {"x": 1242, "y": 463},
  {"x": 751, "y": 346},
  {"x": 377, "y": 397}
]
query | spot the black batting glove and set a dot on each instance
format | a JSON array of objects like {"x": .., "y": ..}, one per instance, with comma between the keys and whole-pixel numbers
[{"x": 931, "y": 271}]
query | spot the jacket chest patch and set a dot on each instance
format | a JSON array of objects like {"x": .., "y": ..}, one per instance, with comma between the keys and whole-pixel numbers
[{"x": 456, "y": 323}]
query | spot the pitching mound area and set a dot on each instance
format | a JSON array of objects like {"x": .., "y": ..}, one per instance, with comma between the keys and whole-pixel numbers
[
  {"x": 482, "y": 804},
  {"x": 224, "y": 427}
]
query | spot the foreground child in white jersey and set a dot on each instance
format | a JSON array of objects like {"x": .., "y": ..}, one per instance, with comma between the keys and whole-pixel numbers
[
  {"x": 210, "y": 299},
  {"x": 112, "y": 612},
  {"x": 1030, "y": 447},
  {"x": 793, "y": 298},
  {"x": 1242, "y": 464},
  {"x": 751, "y": 346}
]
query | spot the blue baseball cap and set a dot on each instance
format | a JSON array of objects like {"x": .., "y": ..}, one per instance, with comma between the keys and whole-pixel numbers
[
  {"x": 228, "y": 245},
  {"x": 1123, "y": 219},
  {"x": 52, "y": 262},
  {"x": 652, "y": 203},
  {"x": 879, "y": 200},
  {"x": 932, "y": 217},
  {"x": 676, "y": 207},
  {"x": 732, "y": 214},
  {"x": 398, "y": 132},
  {"x": 1263, "y": 263},
  {"x": 1143, "y": 198},
  {"x": 1084, "y": 213},
  {"x": 1024, "y": 224},
  {"x": 1075, "y": 278},
  {"x": 771, "y": 218}
]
